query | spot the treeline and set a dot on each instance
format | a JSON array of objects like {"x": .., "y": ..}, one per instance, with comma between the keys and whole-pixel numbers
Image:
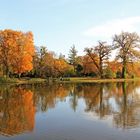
[{"x": 19, "y": 57}]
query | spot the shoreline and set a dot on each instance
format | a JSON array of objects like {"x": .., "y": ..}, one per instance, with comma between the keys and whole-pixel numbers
[
  {"x": 91, "y": 80},
  {"x": 64, "y": 80},
  {"x": 22, "y": 81}
]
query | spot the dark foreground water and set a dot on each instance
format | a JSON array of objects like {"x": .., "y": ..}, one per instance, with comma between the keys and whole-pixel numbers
[{"x": 70, "y": 112}]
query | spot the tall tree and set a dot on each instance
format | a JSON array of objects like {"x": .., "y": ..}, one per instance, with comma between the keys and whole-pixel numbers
[
  {"x": 7, "y": 44},
  {"x": 42, "y": 64},
  {"x": 16, "y": 51},
  {"x": 73, "y": 57},
  {"x": 99, "y": 55},
  {"x": 127, "y": 45},
  {"x": 46, "y": 63},
  {"x": 24, "y": 52}
]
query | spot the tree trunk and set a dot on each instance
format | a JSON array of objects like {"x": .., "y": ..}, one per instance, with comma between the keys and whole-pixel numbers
[
  {"x": 101, "y": 73},
  {"x": 6, "y": 71},
  {"x": 19, "y": 75},
  {"x": 101, "y": 69},
  {"x": 124, "y": 70},
  {"x": 74, "y": 66}
]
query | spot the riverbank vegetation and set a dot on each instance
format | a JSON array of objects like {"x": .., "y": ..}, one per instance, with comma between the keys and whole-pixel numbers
[{"x": 20, "y": 58}]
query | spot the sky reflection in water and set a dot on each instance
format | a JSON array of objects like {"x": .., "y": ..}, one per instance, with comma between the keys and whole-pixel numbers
[{"x": 70, "y": 111}]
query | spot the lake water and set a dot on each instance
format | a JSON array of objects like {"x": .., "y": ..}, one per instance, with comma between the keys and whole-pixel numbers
[{"x": 70, "y": 112}]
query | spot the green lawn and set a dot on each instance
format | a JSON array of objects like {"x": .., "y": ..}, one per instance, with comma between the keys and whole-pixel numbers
[
  {"x": 64, "y": 80},
  {"x": 22, "y": 80},
  {"x": 94, "y": 80}
]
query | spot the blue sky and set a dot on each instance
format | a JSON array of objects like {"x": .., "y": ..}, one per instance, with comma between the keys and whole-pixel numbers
[{"x": 58, "y": 24}]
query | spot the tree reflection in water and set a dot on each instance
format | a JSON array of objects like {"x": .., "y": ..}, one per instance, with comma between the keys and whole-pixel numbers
[
  {"x": 16, "y": 111},
  {"x": 18, "y": 104}
]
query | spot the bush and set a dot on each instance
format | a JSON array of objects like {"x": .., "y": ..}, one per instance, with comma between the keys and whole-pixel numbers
[
  {"x": 118, "y": 74},
  {"x": 109, "y": 73},
  {"x": 7, "y": 80},
  {"x": 69, "y": 73},
  {"x": 65, "y": 79}
]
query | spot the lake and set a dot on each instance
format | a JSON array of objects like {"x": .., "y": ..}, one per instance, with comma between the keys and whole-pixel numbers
[{"x": 108, "y": 111}]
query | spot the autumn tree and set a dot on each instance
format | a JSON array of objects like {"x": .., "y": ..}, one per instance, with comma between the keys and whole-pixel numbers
[
  {"x": 99, "y": 55},
  {"x": 88, "y": 67},
  {"x": 7, "y": 44},
  {"x": 24, "y": 53},
  {"x": 16, "y": 51},
  {"x": 127, "y": 45},
  {"x": 36, "y": 61},
  {"x": 43, "y": 52},
  {"x": 43, "y": 62},
  {"x": 60, "y": 66},
  {"x": 133, "y": 69},
  {"x": 73, "y": 57},
  {"x": 113, "y": 69},
  {"x": 47, "y": 63}
]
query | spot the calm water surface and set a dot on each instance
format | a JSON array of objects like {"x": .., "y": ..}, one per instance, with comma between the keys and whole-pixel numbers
[{"x": 70, "y": 112}]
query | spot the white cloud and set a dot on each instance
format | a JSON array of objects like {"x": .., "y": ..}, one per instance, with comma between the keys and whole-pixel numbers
[{"x": 109, "y": 28}]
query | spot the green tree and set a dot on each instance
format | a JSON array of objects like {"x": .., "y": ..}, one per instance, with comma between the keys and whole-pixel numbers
[{"x": 73, "y": 57}]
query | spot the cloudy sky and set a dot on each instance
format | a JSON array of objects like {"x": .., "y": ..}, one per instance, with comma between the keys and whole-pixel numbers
[{"x": 58, "y": 24}]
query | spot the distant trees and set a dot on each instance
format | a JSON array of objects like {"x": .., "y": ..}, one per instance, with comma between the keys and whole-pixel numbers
[
  {"x": 19, "y": 56},
  {"x": 128, "y": 49},
  {"x": 73, "y": 57},
  {"x": 96, "y": 61},
  {"x": 99, "y": 55},
  {"x": 46, "y": 64},
  {"x": 127, "y": 46}
]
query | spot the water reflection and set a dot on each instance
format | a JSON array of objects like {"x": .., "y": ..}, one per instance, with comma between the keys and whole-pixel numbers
[
  {"x": 128, "y": 115},
  {"x": 16, "y": 111},
  {"x": 18, "y": 104}
]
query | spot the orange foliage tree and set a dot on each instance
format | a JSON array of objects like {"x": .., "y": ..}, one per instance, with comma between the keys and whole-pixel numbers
[
  {"x": 16, "y": 51},
  {"x": 24, "y": 54},
  {"x": 99, "y": 56},
  {"x": 88, "y": 66},
  {"x": 61, "y": 66}
]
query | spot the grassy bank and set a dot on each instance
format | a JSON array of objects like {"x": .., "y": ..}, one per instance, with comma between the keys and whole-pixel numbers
[
  {"x": 21, "y": 81},
  {"x": 64, "y": 80},
  {"x": 93, "y": 80}
]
